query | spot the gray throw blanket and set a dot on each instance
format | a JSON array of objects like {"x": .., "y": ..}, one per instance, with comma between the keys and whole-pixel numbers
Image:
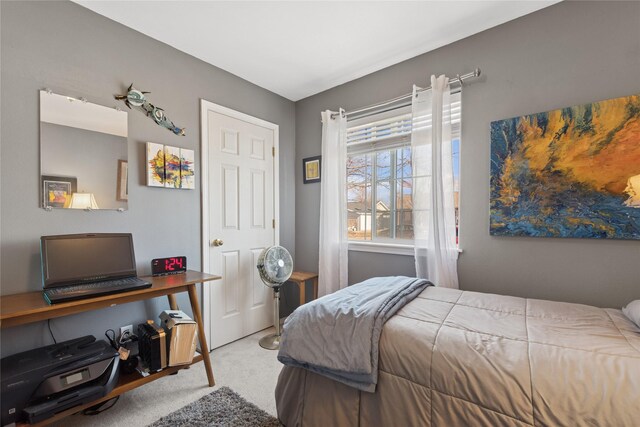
[{"x": 337, "y": 335}]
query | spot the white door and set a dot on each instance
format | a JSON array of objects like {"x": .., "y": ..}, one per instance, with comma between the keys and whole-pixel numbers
[{"x": 239, "y": 220}]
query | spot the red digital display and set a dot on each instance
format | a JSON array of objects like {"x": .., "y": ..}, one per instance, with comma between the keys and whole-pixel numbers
[{"x": 171, "y": 265}]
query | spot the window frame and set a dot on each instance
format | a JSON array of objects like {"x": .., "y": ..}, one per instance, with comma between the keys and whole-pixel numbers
[{"x": 393, "y": 245}]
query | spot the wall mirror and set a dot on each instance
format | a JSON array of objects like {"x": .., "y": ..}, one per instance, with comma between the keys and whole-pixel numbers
[{"x": 83, "y": 154}]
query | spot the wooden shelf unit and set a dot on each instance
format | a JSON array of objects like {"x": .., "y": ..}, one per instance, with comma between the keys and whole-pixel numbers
[
  {"x": 126, "y": 383},
  {"x": 20, "y": 309}
]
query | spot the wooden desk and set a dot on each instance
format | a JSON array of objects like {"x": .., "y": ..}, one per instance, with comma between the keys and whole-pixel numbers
[
  {"x": 300, "y": 278},
  {"x": 20, "y": 309}
]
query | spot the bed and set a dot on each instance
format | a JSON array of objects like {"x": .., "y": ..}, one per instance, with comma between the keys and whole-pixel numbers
[{"x": 459, "y": 358}]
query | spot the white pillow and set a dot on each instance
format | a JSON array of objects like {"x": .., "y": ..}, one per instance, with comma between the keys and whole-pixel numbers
[{"x": 632, "y": 311}]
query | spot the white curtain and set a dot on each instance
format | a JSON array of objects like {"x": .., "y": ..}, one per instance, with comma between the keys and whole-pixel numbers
[
  {"x": 434, "y": 227},
  {"x": 332, "y": 270}
]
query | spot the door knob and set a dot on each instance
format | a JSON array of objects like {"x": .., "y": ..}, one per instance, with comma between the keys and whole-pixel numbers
[{"x": 217, "y": 242}]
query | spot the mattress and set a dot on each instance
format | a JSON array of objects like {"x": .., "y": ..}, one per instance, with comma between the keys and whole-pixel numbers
[{"x": 459, "y": 358}]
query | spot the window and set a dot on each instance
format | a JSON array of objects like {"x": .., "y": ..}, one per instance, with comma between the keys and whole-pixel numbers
[{"x": 379, "y": 176}]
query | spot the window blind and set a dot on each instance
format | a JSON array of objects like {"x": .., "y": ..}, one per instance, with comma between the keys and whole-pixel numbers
[{"x": 380, "y": 134}]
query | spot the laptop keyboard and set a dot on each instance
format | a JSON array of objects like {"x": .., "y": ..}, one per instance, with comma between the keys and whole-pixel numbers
[{"x": 87, "y": 290}]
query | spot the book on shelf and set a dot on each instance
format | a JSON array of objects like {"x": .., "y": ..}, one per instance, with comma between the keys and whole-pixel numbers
[{"x": 182, "y": 332}]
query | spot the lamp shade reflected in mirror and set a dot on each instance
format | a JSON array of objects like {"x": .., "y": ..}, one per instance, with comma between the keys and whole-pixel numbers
[{"x": 83, "y": 201}]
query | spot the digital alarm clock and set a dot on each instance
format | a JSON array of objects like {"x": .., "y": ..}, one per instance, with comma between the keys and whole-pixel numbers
[{"x": 166, "y": 266}]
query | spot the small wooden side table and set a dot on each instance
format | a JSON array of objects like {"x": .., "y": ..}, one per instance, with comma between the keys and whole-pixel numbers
[{"x": 300, "y": 278}]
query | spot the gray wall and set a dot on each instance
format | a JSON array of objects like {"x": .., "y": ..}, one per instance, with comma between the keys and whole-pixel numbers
[
  {"x": 570, "y": 53},
  {"x": 76, "y": 52}
]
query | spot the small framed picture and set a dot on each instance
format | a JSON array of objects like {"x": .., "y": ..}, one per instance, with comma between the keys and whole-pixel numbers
[
  {"x": 57, "y": 191},
  {"x": 311, "y": 169},
  {"x": 122, "y": 194}
]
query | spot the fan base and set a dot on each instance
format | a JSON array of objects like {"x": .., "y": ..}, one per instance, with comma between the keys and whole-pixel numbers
[{"x": 270, "y": 342}]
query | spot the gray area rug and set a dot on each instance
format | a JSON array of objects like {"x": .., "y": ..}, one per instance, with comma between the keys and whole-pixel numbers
[{"x": 223, "y": 407}]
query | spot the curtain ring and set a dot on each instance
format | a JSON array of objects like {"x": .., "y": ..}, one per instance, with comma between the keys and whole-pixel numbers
[{"x": 459, "y": 79}]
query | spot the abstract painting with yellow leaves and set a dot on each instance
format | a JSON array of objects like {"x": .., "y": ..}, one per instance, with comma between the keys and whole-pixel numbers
[
  {"x": 572, "y": 172},
  {"x": 155, "y": 165}
]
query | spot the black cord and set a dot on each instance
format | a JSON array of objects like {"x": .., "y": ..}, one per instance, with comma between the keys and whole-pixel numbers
[
  {"x": 100, "y": 407},
  {"x": 111, "y": 338},
  {"x": 51, "y": 332},
  {"x": 127, "y": 337}
]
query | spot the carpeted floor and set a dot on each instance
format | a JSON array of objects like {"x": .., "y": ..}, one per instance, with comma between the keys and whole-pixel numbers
[{"x": 223, "y": 407}]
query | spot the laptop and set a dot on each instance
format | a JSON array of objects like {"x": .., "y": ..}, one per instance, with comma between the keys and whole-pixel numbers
[{"x": 78, "y": 266}]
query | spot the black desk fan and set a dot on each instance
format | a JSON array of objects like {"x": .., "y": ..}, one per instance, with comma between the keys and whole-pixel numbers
[{"x": 275, "y": 266}]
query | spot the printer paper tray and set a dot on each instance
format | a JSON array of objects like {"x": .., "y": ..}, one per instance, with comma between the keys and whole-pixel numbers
[{"x": 48, "y": 409}]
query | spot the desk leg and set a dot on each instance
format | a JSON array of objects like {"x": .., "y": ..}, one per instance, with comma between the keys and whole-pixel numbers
[
  {"x": 173, "y": 302},
  {"x": 303, "y": 288},
  {"x": 195, "y": 306}
]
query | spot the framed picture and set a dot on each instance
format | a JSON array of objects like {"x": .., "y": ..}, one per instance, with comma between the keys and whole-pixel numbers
[
  {"x": 311, "y": 169},
  {"x": 57, "y": 191},
  {"x": 569, "y": 173},
  {"x": 171, "y": 167},
  {"x": 187, "y": 171},
  {"x": 155, "y": 165},
  {"x": 123, "y": 181}
]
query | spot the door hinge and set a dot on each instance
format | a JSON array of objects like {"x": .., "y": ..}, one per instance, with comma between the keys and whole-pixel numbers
[
  {"x": 274, "y": 223},
  {"x": 273, "y": 151}
]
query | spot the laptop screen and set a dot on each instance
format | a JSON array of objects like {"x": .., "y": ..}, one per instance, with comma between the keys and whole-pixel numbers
[{"x": 79, "y": 258}]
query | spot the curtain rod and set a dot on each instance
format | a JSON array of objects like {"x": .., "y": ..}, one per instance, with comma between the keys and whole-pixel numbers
[{"x": 458, "y": 79}]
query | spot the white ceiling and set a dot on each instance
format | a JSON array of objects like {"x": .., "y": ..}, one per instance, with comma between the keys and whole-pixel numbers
[{"x": 297, "y": 49}]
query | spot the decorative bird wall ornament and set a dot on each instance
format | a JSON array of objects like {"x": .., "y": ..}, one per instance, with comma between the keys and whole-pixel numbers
[{"x": 137, "y": 98}]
